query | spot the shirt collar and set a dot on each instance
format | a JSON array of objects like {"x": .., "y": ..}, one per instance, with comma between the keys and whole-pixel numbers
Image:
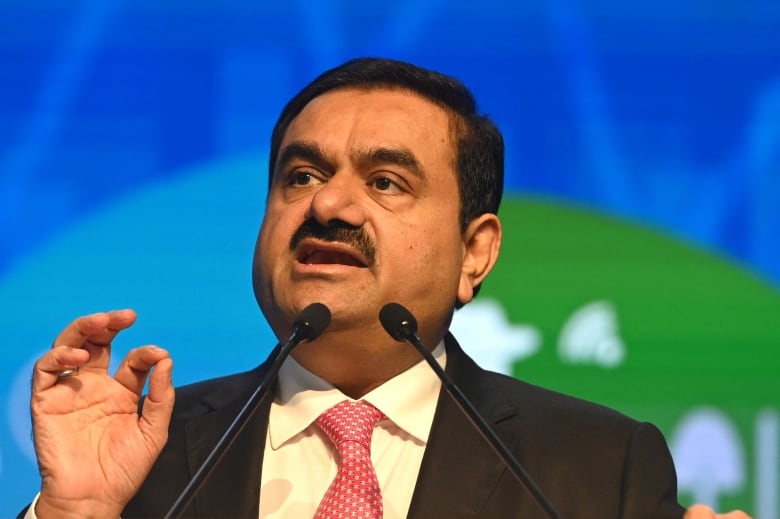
[{"x": 408, "y": 399}]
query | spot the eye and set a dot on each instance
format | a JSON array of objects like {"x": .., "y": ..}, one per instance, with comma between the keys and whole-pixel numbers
[
  {"x": 386, "y": 185},
  {"x": 302, "y": 178}
]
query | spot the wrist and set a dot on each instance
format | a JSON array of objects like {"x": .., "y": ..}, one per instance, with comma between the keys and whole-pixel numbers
[{"x": 47, "y": 508}]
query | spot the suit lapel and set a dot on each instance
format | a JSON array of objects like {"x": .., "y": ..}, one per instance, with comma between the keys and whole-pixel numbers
[
  {"x": 233, "y": 488},
  {"x": 460, "y": 471}
]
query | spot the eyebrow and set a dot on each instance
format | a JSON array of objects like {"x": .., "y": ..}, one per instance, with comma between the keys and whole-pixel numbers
[
  {"x": 402, "y": 157},
  {"x": 302, "y": 150},
  {"x": 372, "y": 157}
]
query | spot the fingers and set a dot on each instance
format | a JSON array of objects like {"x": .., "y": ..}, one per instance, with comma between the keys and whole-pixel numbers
[
  {"x": 158, "y": 405},
  {"x": 83, "y": 343},
  {"x": 95, "y": 332},
  {"x": 47, "y": 369},
  {"x": 135, "y": 367}
]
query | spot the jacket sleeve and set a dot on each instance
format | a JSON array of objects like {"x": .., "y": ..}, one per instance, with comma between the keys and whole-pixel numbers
[{"x": 649, "y": 481}]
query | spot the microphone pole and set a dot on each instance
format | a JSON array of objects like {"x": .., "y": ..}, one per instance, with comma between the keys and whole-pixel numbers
[
  {"x": 309, "y": 324},
  {"x": 402, "y": 326}
]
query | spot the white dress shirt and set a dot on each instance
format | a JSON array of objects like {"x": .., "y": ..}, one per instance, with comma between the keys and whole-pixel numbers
[{"x": 300, "y": 461}]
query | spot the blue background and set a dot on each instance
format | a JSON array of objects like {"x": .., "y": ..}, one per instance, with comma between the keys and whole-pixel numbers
[{"x": 133, "y": 140}]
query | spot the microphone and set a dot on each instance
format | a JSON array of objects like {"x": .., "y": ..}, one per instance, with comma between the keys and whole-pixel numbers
[
  {"x": 402, "y": 326},
  {"x": 309, "y": 324}
]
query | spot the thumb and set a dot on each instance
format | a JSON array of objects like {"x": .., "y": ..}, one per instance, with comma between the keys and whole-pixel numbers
[{"x": 158, "y": 405}]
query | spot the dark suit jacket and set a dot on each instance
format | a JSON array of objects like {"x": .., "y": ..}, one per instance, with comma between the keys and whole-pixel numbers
[{"x": 591, "y": 462}]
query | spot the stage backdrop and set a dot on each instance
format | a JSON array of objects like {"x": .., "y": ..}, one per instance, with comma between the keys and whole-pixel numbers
[{"x": 641, "y": 263}]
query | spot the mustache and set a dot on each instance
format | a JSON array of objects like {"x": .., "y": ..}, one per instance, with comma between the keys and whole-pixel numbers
[{"x": 336, "y": 231}]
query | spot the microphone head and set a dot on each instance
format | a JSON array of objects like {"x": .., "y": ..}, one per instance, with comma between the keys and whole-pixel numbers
[
  {"x": 398, "y": 321},
  {"x": 312, "y": 321}
]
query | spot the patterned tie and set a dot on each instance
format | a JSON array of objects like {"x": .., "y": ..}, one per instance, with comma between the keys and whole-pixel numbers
[{"x": 354, "y": 492}]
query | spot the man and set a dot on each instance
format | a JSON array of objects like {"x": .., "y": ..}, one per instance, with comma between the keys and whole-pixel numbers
[{"x": 384, "y": 187}]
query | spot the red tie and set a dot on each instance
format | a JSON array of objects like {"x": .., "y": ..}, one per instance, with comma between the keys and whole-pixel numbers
[{"x": 354, "y": 492}]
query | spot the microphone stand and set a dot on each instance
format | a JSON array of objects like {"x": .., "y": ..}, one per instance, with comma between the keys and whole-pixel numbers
[
  {"x": 309, "y": 325},
  {"x": 402, "y": 326}
]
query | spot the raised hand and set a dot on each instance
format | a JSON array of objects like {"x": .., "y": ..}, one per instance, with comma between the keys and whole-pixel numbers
[{"x": 93, "y": 449}]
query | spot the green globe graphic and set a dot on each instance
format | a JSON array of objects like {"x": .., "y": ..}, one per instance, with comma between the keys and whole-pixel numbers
[{"x": 626, "y": 316}]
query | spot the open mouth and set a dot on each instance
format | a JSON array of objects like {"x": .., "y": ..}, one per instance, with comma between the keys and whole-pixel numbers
[{"x": 329, "y": 254}]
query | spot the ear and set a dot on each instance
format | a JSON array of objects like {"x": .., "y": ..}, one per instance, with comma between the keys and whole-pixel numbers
[{"x": 482, "y": 241}]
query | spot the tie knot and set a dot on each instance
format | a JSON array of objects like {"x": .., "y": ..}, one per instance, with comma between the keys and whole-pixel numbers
[{"x": 350, "y": 421}]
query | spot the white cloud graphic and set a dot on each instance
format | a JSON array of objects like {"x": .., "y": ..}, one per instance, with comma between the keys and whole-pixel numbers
[
  {"x": 483, "y": 329},
  {"x": 709, "y": 456},
  {"x": 591, "y": 336}
]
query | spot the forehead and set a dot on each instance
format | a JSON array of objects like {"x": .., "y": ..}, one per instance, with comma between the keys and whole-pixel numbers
[{"x": 357, "y": 119}]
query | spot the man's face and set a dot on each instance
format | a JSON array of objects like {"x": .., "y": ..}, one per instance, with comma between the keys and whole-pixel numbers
[{"x": 374, "y": 171}]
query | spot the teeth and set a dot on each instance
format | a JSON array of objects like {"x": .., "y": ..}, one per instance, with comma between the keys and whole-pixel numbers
[{"x": 330, "y": 257}]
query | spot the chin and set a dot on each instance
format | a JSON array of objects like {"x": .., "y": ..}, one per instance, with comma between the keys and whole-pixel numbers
[{"x": 350, "y": 314}]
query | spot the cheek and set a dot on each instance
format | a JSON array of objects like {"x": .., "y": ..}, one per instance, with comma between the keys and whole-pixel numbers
[
  {"x": 272, "y": 241},
  {"x": 277, "y": 228},
  {"x": 281, "y": 220},
  {"x": 434, "y": 253},
  {"x": 264, "y": 240}
]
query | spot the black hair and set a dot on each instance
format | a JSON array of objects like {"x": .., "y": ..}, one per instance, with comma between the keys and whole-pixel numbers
[{"x": 479, "y": 145}]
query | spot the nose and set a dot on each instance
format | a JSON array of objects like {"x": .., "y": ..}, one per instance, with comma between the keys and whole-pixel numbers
[{"x": 338, "y": 199}]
